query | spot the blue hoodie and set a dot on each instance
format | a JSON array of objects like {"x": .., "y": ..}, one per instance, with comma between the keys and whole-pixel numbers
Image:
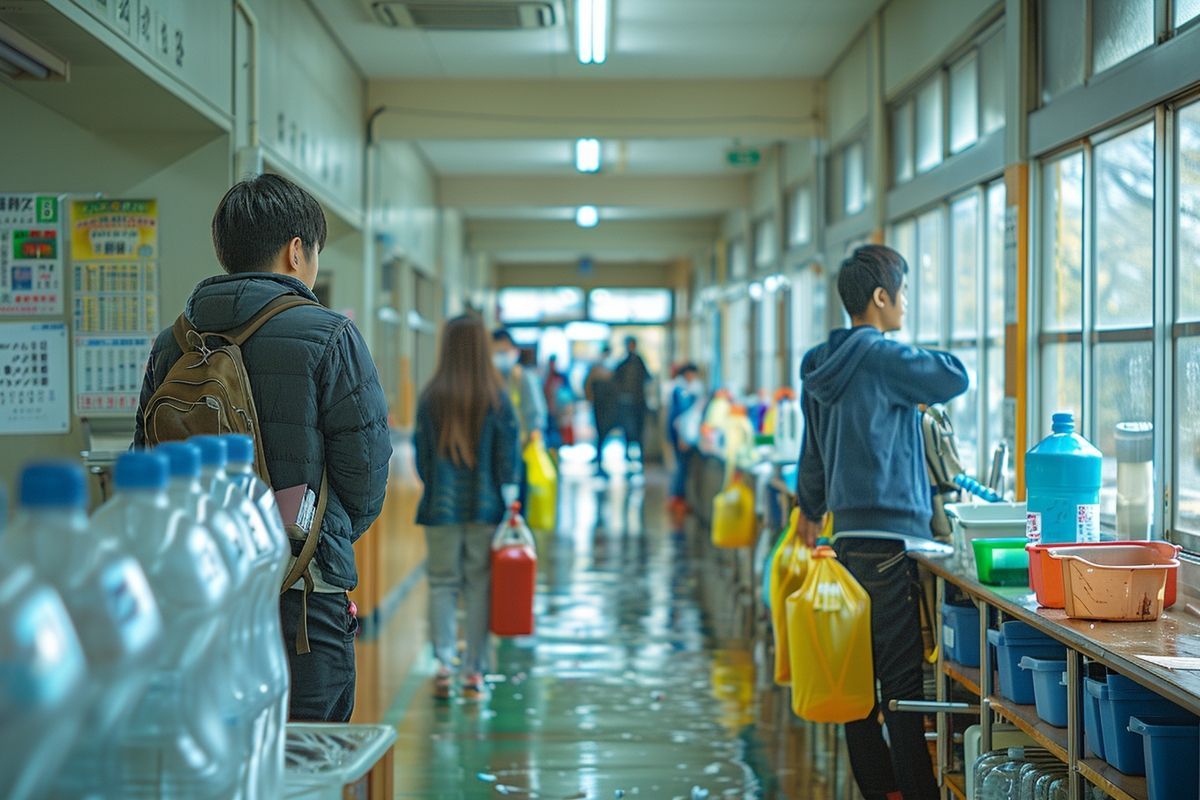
[{"x": 863, "y": 456}]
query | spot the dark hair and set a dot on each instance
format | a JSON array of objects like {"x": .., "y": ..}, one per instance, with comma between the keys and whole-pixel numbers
[
  {"x": 868, "y": 268},
  {"x": 502, "y": 335},
  {"x": 258, "y": 217},
  {"x": 462, "y": 390},
  {"x": 688, "y": 367}
]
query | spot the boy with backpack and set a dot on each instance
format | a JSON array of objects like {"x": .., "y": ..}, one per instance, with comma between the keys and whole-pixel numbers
[
  {"x": 262, "y": 356},
  {"x": 863, "y": 458}
]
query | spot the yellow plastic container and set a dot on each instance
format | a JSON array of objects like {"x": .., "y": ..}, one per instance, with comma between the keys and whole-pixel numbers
[
  {"x": 733, "y": 516},
  {"x": 829, "y": 637},
  {"x": 787, "y": 577},
  {"x": 542, "y": 482},
  {"x": 1125, "y": 584}
]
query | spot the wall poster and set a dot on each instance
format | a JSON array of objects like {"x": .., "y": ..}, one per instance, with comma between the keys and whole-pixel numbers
[
  {"x": 31, "y": 255},
  {"x": 34, "y": 378}
]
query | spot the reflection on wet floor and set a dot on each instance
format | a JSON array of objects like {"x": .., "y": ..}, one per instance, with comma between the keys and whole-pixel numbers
[{"x": 629, "y": 689}]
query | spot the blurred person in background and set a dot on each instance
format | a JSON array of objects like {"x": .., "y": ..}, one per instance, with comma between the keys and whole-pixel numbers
[
  {"x": 630, "y": 379},
  {"x": 466, "y": 450},
  {"x": 520, "y": 384},
  {"x": 600, "y": 391},
  {"x": 683, "y": 430},
  {"x": 557, "y": 394}
]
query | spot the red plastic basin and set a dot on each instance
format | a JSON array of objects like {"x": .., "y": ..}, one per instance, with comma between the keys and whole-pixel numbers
[{"x": 1046, "y": 576}]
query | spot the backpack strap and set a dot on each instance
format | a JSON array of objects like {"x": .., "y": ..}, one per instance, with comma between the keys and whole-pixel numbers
[
  {"x": 183, "y": 328},
  {"x": 300, "y": 569}
]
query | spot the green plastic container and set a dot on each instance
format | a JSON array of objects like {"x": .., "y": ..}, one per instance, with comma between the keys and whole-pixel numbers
[{"x": 1002, "y": 561}]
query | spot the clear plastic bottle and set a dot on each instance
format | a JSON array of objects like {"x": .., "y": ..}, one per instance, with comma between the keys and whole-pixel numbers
[
  {"x": 174, "y": 744},
  {"x": 1002, "y": 782},
  {"x": 43, "y": 679},
  {"x": 236, "y": 689},
  {"x": 983, "y": 765},
  {"x": 271, "y": 562},
  {"x": 111, "y": 606}
]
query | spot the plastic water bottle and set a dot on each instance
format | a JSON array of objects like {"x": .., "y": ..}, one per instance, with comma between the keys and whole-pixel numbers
[
  {"x": 788, "y": 427},
  {"x": 271, "y": 562},
  {"x": 1002, "y": 782},
  {"x": 41, "y": 684},
  {"x": 110, "y": 603},
  {"x": 175, "y": 744},
  {"x": 1063, "y": 479},
  {"x": 237, "y": 691}
]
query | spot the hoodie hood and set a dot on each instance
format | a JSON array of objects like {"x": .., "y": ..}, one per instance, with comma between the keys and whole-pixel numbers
[
  {"x": 225, "y": 302},
  {"x": 828, "y": 369}
]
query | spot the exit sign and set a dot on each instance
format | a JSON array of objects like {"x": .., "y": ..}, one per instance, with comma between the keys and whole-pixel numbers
[{"x": 743, "y": 156}]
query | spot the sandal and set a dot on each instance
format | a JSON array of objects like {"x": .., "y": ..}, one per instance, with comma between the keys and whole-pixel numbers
[{"x": 442, "y": 683}]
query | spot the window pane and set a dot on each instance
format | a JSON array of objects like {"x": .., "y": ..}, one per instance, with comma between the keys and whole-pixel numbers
[
  {"x": 903, "y": 240},
  {"x": 929, "y": 125},
  {"x": 737, "y": 364},
  {"x": 1125, "y": 229},
  {"x": 964, "y": 413},
  {"x": 1061, "y": 45},
  {"x": 995, "y": 398},
  {"x": 964, "y": 104},
  {"x": 991, "y": 83},
  {"x": 1125, "y": 393},
  {"x": 995, "y": 259},
  {"x": 1120, "y": 28},
  {"x": 738, "y": 260},
  {"x": 801, "y": 217},
  {"x": 929, "y": 288},
  {"x": 855, "y": 178},
  {"x": 1188, "y": 253},
  {"x": 902, "y": 141},
  {"x": 1186, "y": 10},
  {"x": 764, "y": 243},
  {"x": 768, "y": 343},
  {"x": 540, "y": 305},
  {"x": 1062, "y": 256},
  {"x": 1062, "y": 385},
  {"x": 1187, "y": 440},
  {"x": 964, "y": 233},
  {"x": 630, "y": 305}
]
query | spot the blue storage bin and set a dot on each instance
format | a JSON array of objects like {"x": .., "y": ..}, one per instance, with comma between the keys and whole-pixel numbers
[
  {"x": 960, "y": 634},
  {"x": 1093, "y": 732},
  {"x": 1014, "y": 641},
  {"x": 1169, "y": 746},
  {"x": 1122, "y": 700},
  {"x": 1049, "y": 690}
]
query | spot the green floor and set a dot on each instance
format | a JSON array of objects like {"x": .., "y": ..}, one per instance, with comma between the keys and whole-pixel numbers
[{"x": 629, "y": 689}]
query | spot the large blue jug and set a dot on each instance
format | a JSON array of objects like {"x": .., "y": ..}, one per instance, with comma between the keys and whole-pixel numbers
[{"x": 1062, "y": 483}]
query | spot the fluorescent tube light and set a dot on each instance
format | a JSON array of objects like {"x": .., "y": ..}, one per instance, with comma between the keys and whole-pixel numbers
[
  {"x": 587, "y": 216},
  {"x": 21, "y": 57},
  {"x": 591, "y": 30},
  {"x": 587, "y": 155}
]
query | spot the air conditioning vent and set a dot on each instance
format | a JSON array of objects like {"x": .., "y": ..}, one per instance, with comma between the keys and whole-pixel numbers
[{"x": 468, "y": 15}]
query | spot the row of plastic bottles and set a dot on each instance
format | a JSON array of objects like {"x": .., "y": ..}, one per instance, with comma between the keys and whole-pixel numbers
[
  {"x": 141, "y": 654},
  {"x": 1024, "y": 773}
]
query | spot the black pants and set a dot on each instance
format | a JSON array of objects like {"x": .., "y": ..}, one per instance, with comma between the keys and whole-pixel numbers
[
  {"x": 890, "y": 577},
  {"x": 323, "y": 679},
  {"x": 631, "y": 414}
]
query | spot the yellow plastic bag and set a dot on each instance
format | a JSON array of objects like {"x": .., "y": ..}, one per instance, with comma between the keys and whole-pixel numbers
[
  {"x": 788, "y": 572},
  {"x": 733, "y": 515},
  {"x": 829, "y": 634},
  {"x": 542, "y": 480}
]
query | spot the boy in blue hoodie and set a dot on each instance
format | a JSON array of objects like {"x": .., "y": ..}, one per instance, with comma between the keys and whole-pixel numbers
[{"x": 863, "y": 458}]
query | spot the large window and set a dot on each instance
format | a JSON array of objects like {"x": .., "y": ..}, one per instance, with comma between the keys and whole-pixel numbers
[
  {"x": 1119, "y": 29},
  {"x": 1187, "y": 319},
  {"x": 766, "y": 244},
  {"x": 630, "y": 306},
  {"x": 1098, "y": 290},
  {"x": 849, "y": 191},
  {"x": 800, "y": 216},
  {"x": 540, "y": 304},
  {"x": 955, "y": 252}
]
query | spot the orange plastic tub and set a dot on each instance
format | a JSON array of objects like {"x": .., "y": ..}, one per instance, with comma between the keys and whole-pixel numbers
[
  {"x": 1046, "y": 573},
  {"x": 1115, "y": 583}
]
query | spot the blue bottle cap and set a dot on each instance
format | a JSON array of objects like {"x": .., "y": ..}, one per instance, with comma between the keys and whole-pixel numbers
[
  {"x": 183, "y": 458},
  {"x": 141, "y": 469},
  {"x": 1063, "y": 422},
  {"x": 213, "y": 451},
  {"x": 53, "y": 484},
  {"x": 240, "y": 447}
]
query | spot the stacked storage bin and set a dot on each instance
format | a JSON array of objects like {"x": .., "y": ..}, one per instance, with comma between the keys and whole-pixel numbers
[{"x": 1016, "y": 640}]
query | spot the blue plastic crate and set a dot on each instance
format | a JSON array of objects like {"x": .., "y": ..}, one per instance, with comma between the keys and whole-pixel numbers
[
  {"x": 1093, "y": 731},
  {"x": 960, "y": 634},
  {"x": 1014, "y": 641},
  {"x": 1169, "y": 747},
  {"x": 1122, "y": 700},
  {"x": 1049, "y": 691}
]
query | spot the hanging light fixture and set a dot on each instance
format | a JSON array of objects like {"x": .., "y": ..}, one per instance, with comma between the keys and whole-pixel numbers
[
  {"x": 587, "y": 155},
  {"x": 591, "y": 31},
  {"x": 587, "y": 216}
]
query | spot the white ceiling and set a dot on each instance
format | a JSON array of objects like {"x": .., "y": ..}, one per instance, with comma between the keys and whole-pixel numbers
[
  {"x": 557, "y": 156},
  {"x": 663, "y": 39},
  {"x": 567, "y": 213}
]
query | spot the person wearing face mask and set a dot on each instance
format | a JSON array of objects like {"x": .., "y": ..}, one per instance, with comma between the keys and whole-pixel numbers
[
  {"x": 521, "y": 385},
  {"x": 685, "y": 400}
]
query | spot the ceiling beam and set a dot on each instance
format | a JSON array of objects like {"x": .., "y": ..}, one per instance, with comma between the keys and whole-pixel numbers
[
  {"x": 541, "y": 240},
  {"x": 539, "y": 109},
  {"x": 698, "y": 194}
]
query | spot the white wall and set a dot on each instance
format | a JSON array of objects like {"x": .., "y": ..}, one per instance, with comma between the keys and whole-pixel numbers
[{"x": 848, "y": 91}]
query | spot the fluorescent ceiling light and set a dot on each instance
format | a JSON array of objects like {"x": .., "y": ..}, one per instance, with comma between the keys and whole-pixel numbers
[
  {"x": 21, "y": 57},
  {"x": 587, "y": 155},
  {"x": 587, "y": 216},
  {"x": 591, "y": 30}
]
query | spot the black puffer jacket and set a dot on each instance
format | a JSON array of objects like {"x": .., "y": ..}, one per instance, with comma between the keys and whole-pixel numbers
[{"x": 318, "y": 398}]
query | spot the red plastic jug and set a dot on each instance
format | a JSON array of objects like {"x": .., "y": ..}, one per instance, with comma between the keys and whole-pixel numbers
[{"x": 514, "y": 576}]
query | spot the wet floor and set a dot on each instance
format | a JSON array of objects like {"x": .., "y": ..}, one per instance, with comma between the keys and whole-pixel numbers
[{"x": 631, "y": 687}]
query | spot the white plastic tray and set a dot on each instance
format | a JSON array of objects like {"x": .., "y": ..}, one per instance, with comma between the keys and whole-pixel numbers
[{"x": 321, "y": 758}]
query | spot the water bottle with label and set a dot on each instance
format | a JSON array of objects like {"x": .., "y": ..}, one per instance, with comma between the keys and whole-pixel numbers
[
  {"x": 175, "y": 744},
  {"x": 110, "y": 603},
  {"x": 1063, "y": 480},
  {"x": 41, "y": 685}
]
